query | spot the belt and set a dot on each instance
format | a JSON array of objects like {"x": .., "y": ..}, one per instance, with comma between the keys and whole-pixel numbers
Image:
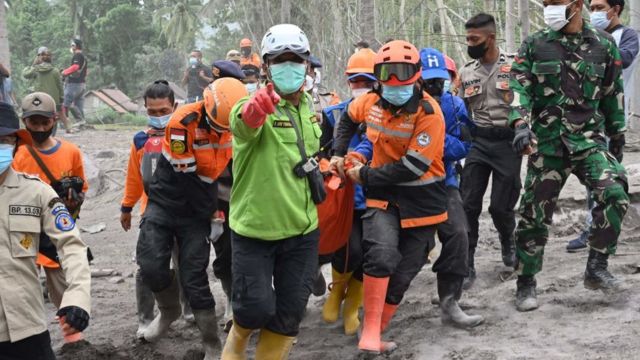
[{"x": 495, "y": 133}]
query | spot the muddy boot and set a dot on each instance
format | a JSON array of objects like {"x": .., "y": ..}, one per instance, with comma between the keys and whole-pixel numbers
[
  {"x": 508, "y": 249},
  {"x": 375, "y": 291},
  {"x": 597, "y": 277},
  {"x": 468, "y": 281},
  {"x": 450, "y": 291},
  {"x": 208, "y": 325},
  {"x": 235, "y": 347},
  {"x": 331, "y": 307},
  {"x": 352, "y": 303},
  {"x": 272, "y": 346},
  {"x": 169, "y": 306},
  {"x": 145, "y": 303},
  {"x": 228, "y": 310},
  {"x": 320, "y": 285},
  {"x": 526, "y": 299}
]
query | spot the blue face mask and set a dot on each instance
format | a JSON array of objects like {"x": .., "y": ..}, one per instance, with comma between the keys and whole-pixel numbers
[
  {"x": 193, "y": 61},
  {"x": 599, "y": 20},
  {"x": 6, "y": 156},
  {"x": 397, "y": 95},
  {"x": 288, "y": 76},
  {"x": 251, "y": 87},
  {"x": 159, "y": 122}
]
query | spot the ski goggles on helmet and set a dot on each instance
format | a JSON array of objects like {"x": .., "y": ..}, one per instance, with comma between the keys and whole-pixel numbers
[{"x": 402, "y": 71}]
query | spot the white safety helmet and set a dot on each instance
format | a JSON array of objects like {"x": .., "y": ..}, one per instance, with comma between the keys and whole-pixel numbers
[{"x": 283, "y": 38}]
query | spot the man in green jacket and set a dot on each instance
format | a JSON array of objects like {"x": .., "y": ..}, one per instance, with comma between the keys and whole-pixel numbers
[
  {"x": 46, "y": 78},
  {"x": 273, "y": 217}
]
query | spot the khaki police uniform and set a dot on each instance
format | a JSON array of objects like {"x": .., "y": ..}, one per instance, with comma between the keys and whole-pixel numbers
[
  {"x": 27, "y": 207},
  {"x": 487, "y": 95}
]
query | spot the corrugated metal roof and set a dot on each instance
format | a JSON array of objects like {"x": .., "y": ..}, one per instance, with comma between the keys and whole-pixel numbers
[{"x": 115, "y": 99}]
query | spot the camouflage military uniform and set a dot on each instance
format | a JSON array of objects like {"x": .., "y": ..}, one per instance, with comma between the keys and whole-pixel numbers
[{"x": 568, "y": 88}]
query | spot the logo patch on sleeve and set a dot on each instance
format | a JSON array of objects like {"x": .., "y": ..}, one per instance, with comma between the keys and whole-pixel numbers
[
  {"x": 424, "y": 139},
  {"x": 64, "y": 222}
]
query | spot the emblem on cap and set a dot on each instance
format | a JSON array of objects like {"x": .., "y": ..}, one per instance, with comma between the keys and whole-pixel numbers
[{"x": 36, "y": 101}]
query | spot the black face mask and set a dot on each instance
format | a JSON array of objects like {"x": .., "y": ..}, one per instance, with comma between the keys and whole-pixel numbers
[
  {"x": 434, "y": 87},
  {"x": 477, "y": 51},
  {"x": 40, "y": 136},
  {"x": 246, "y": 51}
]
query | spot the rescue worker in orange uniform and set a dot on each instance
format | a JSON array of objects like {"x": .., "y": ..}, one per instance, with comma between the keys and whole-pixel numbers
[
  {"x": 247, "y": 54},
  {"x": 346, "y": 262},
  {"x": 182, "y": 202},
  {"x": 58, "y": 163},
  {"x": 405, "y": 189},
  {"x": 146, "y": 149}
]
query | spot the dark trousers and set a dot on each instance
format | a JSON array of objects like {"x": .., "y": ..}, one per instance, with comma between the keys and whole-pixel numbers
[
  {"x": 452, "y": 234},
  {"x": 491, "y": 157},
  {"x": 272, "y": 281},
  {"x": 349, "y": 257},
  {"x": 222, "y": 263},
  {"x": 36, "y": 347},
  {"x": 391, "y": 251},
  {"x": 159, "y": 231}
]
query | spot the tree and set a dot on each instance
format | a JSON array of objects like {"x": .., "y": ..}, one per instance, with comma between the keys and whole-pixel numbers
[
  {"x": 182, "y": 25},
  {"x": 510, "y": 25},
  {"x": 634, "y": 104},
  {"x": 5, "y": 51}
]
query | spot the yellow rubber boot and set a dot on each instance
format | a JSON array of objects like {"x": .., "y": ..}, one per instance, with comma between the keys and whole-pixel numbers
[
  {"x": 272, "y": 346},
  {"x": 352, "y": 303},
  {"x": 331, "y": 308},
  {"x": 236, "y": 345}
]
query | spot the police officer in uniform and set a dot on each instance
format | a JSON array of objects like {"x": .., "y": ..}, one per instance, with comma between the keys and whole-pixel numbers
[
  {"x": 485, "y": 90},
  {"x": 27, "y": 207}
]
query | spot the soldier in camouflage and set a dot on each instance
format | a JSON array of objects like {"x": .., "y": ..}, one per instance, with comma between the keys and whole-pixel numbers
[{"x": 567, "y": 86}]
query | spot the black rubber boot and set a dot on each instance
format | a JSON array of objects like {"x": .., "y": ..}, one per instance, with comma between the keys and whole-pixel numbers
[
  {"x": 508, "y": 248},
  {"x": 145, "y": 303},
  {"x": 526, "y": 299},
  {"x": 469, "y": 280},
  {"x": 450, "y": 291},
  {"x": 597, "y": 277},
  {"x": 320, "y": 285}
]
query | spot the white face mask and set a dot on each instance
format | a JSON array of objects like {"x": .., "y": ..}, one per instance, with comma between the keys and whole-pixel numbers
[
  {"x": 358, "y": 92},
  {"x": 309, "y": 82},
  {"x": 555, "y": 16}
]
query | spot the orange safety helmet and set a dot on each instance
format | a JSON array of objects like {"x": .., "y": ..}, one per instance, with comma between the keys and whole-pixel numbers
[
  {"x": 245, "y": 43},
  {"x": 361, "y": 62},
  {"x": 451, "y": 65},
  {"x": 219, "y": 97},
  {"x": 397, "y": 63}
]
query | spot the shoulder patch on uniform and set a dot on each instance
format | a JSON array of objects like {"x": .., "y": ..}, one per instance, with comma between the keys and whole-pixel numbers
[
  {"x": 140, "y": 139},
  {"x": 426, "y": 106},
  {"x": 64, "y": 221},
  {"x": 189, "y": 118},
  {"x": 423, "y": 139},
  {"x": 178, "y": 139}
]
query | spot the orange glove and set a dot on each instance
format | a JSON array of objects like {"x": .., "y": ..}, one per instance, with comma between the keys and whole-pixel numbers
[{"x": 263, "y": 103}]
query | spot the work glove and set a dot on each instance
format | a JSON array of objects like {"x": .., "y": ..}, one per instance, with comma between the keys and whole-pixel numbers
[
  {"x": 263, "y": 103},
  {"x": 523, "y": 138},
  {"x": 616, "y": 146},
  {"x": 75, "y": 317},
  {"x": 217, "y": 226}
]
